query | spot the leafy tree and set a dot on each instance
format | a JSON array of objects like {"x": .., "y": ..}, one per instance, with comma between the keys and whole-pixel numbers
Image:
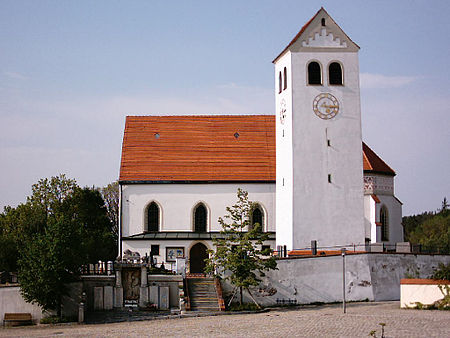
[
  {"x": 58, "y": 229},
  {"x": 88, "y": 212},
  {"x": 434, "y": 232},
  {"x": 237, "y": 257},
  {"x": 110, "y": 195},
  {"x": 49, "y": 261}
]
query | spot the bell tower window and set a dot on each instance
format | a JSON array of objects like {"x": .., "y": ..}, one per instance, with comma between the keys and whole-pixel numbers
[
  {"x": 285, "y": 78},
  {"x": 314, "y": 73},
  {"x": 335, "y": 73},
  {"x": 280, "y": 83}
]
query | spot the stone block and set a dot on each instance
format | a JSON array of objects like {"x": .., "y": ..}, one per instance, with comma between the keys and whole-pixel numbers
[
  {"x": 404, "y": 247},
  {"x": 108, "y": 297},
  {"x": 98, "y": 298},
  {"x": 376, "y": 247},
  {"x": 143, "y": 296},
  {"x": 154, "y": 295},
  {"x": 164, "y": 297},
  {"x": 118, "y": 297}
]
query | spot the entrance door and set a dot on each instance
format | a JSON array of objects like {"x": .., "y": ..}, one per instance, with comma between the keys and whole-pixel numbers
[{"x": 197, "y": 257}]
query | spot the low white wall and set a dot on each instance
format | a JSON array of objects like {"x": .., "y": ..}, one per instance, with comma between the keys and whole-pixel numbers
[
  {"x": 371, "y": 276},
  {"x": 424, "y": 291},
  {"x": 12, "y": 301}
]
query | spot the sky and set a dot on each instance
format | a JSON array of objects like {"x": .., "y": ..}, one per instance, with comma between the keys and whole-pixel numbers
[{"x": 70, "y": 71}]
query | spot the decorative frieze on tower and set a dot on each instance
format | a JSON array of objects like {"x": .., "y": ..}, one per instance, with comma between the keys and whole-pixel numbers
[{"x": 319, "y": 192}]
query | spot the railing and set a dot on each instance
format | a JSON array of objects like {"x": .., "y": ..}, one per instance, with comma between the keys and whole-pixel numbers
[
  {"x": 100, "y": 268},
  {"x": 403, "y": 247}
]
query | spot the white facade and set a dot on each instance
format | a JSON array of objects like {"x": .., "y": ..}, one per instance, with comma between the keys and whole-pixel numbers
[
  {"x": 378, "y": 195},
  {"x": 176, "y": 204},
  {"x": 319, "y": 167}
]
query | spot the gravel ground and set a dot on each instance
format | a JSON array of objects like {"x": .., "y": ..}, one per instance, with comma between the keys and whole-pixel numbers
[{"x": 307, "y": 321}]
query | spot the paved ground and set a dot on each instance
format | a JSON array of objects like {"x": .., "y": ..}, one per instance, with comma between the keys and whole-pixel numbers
[{"x": 312, "y": 321}]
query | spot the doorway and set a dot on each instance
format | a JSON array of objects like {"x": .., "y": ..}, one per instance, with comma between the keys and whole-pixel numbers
[{"x": 197, "y": 257}]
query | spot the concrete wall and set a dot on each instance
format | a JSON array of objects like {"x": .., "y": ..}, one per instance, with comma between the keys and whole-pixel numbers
[
  {"x": 12, "y": 301},
  {"x": 90, "y": 282},
  {"x": 370, "y": 276},
  {"x": 172, "y": 281}
]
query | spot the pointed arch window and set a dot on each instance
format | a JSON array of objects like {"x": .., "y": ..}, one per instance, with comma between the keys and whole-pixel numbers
[
  {"x": 200, "y": 218},
  {"x": 280, "y": 83},
  {"x": 314, "y": 73},
  {"x": 257, "y": 217},
  {"x": 284, "y": 78},
  {"x": 384, "y": 220},
  {"x": 153, "y": 217},
  {"x": 335, "y": 73}
]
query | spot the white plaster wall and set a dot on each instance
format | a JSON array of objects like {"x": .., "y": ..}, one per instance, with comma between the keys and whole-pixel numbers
[
  {"x": 178, "y": 200},
  {"x": 427, "y": 294},
  {"x": 12, "y": 301},
  {"x": 394, "y": 208},
  {"x": 284, "y": 165},
  {"x": 369, "y": 218},
  {"x": 331, "y": 213}
]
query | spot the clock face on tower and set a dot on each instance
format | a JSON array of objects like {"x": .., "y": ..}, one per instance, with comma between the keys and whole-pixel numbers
[
  {"x": 282, "y": 111},
  {"x": 325, "y": 106}
]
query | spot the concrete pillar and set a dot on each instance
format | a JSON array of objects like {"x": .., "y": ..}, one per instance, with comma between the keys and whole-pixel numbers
[
  {"x": 108, "y": 297},
  {"x": 164, "y": 298},
  {"x": 81, "y": 313},
  {"x": 144, "y": 277},
  {"x": 98, "y": 298},
  {"x": 154, "y": 295},
  {"x": 118, "y": 297},
  {"x": 118, "y": 278}
]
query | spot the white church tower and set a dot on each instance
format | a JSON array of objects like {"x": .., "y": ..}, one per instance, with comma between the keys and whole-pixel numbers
[{"x": 319, "y": 170}]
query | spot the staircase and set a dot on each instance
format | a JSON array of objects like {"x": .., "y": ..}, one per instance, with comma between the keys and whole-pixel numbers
[{"x": 203, "y": 295}]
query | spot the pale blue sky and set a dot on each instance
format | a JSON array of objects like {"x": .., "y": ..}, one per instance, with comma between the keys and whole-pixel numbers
[{"x": 70, "y": 71}]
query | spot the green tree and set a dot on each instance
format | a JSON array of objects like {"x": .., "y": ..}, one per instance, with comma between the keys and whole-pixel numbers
[
  {"x": 110, "y": 195},
  {"x": 434, "y": 232},
  {"x": 238, "y": 257},
  {"x": 58, "y": 229},
  {"x": 49, "y": 261}
]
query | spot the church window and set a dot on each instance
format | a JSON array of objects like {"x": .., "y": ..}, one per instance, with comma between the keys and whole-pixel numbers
[
  {"x": 154, "y": 250},
  {"x": 153, "y": 217},
  {"x": 314, "y": 73},
  {"x": 384, "y": 220},
  {"x": 329, "y": 178},
  {"x": 323, "y": 21},
  {"x": 257, "y": 217},
  {"x": 335, "y": 73},
  {"x": 200, "y": 218},
  {"x": 280, "y": 83},
  {"x": 285, "y": 78}
]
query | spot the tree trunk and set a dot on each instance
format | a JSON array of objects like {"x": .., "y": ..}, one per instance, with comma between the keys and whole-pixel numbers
[
  {"x": 58, "y": 308},
  {"x": 240, "y": 291}
]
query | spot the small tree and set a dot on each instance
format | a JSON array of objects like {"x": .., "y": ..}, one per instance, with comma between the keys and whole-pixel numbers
[
  {"x": 110, "y": 195},
  {"x": 237, "y": 251}
]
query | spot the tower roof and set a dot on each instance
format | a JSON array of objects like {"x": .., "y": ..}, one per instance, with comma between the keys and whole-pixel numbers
[
  {"x": 372, "y": 163},
  {"x": 313, "y": 27},
  {"x": 207, "y": 148}
]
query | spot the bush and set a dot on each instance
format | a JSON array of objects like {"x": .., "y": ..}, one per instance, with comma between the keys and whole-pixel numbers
[
  {"x": 442, "y": 272},
  {"x": 56, "y": 320},
  {"x": 244, "y": 307}
]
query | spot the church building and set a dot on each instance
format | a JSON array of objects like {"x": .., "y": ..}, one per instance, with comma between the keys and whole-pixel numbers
[{"x": 306, "y": 167}]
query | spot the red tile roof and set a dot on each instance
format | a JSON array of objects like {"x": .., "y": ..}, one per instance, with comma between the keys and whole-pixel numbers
[
  {"x": 205, "y": 148},
  {"x": 373, "y": 163},
  {"x": 198, "y": 148}
]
